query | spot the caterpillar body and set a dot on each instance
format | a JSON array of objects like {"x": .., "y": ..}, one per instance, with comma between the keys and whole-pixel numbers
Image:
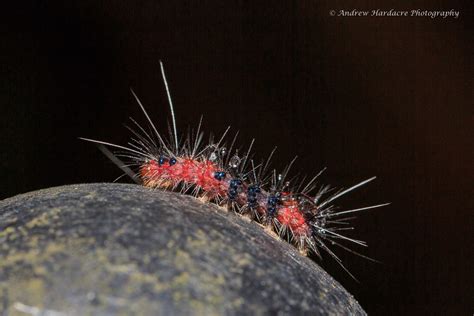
[{"x": 298, "y": 211}]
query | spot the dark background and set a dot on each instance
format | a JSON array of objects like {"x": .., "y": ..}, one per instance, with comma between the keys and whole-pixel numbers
[{"x": 390, "y": 97}]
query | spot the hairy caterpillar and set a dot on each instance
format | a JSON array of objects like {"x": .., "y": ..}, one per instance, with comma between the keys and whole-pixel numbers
[{"x": 219, "y": 173}]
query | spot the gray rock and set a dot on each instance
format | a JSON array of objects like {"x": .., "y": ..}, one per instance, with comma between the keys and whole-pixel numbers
[{"x": 124, "y": 249}]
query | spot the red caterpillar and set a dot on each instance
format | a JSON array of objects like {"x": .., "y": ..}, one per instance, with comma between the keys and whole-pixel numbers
[{"x": 219, "y": 174}]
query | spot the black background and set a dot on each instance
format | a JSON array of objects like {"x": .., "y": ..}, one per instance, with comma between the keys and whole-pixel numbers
[{"x": 389, "y": 96}]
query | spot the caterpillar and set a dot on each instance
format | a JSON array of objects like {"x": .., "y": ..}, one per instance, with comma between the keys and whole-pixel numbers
[{"x": 301, "y": 212}]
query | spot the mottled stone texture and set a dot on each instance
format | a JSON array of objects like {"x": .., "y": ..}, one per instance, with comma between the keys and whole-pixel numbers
[{"x": 124, "y": 249}]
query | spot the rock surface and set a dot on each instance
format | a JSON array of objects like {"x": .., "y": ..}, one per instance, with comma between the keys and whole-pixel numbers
[{"x": 124, "y": 249}]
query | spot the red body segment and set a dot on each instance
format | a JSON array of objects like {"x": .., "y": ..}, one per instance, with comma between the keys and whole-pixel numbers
[
  {"x": 290, "y": 216},
  {"x": 185, "y": 170}
]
